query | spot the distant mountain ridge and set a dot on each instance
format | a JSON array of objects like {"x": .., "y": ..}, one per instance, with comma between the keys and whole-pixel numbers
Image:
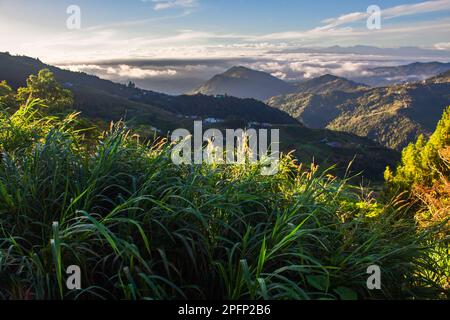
[
  {"x": 417, "y": 71},
  {"x": 441, "y": 78},
  {"x": 328, "y": 83},
  {"x": 243, "y": 82}
]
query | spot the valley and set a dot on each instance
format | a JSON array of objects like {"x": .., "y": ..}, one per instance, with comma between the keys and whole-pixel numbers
[{"x": 153, "y": 113}]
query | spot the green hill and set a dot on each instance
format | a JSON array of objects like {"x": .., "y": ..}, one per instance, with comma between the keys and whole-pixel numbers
[{"x": 393, "y": 116}]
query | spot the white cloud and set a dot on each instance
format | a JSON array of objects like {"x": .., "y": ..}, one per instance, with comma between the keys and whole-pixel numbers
[
  {"x": 389, "y": 13},
  {"x": 138, "y": 73},
  {"x": 305, "y": 66},
  {"x": 101, "y": 44},
  {"x": 280, "y": 75},
  {"x": 343, "y": 19},
  {"x": 120, "y": 40},
  {"x": 421, "y": 7},
  {"x": 167, "y": 74},
  {"x": 168, "y": 4},
  {"x": 122, "y": 71},
  {"x": 442, "y": 46}
]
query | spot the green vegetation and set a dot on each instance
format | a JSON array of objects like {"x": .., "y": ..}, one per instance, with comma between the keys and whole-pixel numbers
[
  {"x": 425, "y": 162},
  {"x": 45, "y": 87},
  {"x": 7, "y": 96},
  {"x": 423, "y": 175},
  {"x": 151, "y": 113},
  {"x": 142, "y": 228},
  {"x": 393, "y": 116},
  {"x": 109, "y": 101},
  {"x": 326, "y": 147}
]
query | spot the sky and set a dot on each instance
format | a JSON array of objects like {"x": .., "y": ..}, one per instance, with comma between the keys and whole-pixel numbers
[{"x": 172, "y": 45}]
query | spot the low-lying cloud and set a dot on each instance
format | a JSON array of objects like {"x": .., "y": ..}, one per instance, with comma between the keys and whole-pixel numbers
[
  {"x": 123, "y": 71},
  {"x": 177, "y": 76}
]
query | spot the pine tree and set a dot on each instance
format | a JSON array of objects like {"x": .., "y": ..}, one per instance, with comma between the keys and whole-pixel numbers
[
  {"x": 424, "y": 172},
  {"x": 422, "y": 162}
]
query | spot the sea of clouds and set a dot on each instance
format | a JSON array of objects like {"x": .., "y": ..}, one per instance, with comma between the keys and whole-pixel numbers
[{"x": 177, "y": 76}]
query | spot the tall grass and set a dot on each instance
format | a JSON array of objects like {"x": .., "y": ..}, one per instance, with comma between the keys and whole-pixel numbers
[{"x": 141, "y": 227}]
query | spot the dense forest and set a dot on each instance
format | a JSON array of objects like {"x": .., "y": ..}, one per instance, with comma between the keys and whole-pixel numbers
[{"x": 82, "y": 191}]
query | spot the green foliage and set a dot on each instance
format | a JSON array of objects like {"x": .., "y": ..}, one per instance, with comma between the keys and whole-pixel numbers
[
  {"x": 141, "y": 227},
  {"x": 5, "y": 89},
  {"x": 25, "y": 127},
  {"x": 424, "y": 174},
  {"x": 422, "y": 162},
  {"x": 45, "y": 87},
  {"x": 7, "y": 96}
]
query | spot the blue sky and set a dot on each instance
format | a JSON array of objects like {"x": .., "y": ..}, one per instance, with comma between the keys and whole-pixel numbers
[
  {"x": 172, "y": 24},
  {"x": 237, "y": 31},
  {"x": 221, "y": 15}
]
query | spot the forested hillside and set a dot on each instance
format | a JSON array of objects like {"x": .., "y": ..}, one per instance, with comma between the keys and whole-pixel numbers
[{"x": 394, "y": 116}]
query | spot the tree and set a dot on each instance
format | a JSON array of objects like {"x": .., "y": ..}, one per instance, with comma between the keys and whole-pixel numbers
[
  {"x": 424, "y": 172},
  {"x": 422, "y": 162},
  {"x": 45, "y": 87}
]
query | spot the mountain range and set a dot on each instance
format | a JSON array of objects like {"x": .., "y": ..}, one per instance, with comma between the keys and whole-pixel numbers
[
  {"x": 328, "y": 83},
  {"x": 247, "y": 83},
  {"x": 104, "y": 100},
  {"x": 393, "y": 115},
  {"x": 390, "y": 105},
  {"x": 382, "y": 76}
]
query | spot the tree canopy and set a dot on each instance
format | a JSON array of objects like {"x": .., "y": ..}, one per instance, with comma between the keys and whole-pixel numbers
[
  {"x": 425, "y": 162},
  {"x": 424, "y": 172},
  {"x": 45, "y": 87}
]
